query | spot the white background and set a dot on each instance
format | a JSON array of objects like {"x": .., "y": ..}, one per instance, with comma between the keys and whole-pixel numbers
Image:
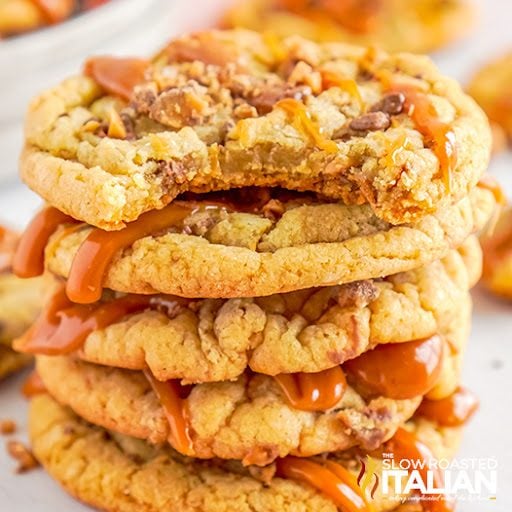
[{"x": 488, "y": 366}]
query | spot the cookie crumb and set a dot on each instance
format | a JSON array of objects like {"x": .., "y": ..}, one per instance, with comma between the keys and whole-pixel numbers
[
  {"x": 24, "y": 457},
  {"x": 7, "y": 427}
]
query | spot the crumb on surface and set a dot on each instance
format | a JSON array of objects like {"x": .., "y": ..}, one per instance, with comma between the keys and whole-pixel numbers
[
  {"x": 7, "y": 427},
  {"x": 18, "y": 451}
]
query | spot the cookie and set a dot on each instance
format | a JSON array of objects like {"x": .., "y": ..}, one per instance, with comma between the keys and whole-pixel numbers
[
  {"x": 11, "y": 361},
  {"x": 20, "y": 303},
  {"x": 221, "y": 110},
  {"x": 497, "y": 247},
  {"x": 397, "y": 25},
  {"x": 255, "y": 418},
  {"x": 19, "y": 16},
  {"x": 308, "y": 331},
  {"x": 489, "y": 87},
  {"x": 247, "y": 254},
  {"x": 116, "y": 473}
]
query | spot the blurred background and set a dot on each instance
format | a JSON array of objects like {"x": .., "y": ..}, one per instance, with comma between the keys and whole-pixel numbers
[{"x": 42, "y": 56}]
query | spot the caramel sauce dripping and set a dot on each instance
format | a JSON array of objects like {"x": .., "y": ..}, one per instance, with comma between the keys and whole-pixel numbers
[
  {"x": 56, "y": 11},
  {"x": 85, "y": 281},
  {"x": 172, "y": 396},
  {"x": 313, "y": 391},
  {"x": 453, "y": 411},
  {"x": 398, "y": 370},
  {"x": 63, "y": 327},
  {"x": 488, "y": 182},
  {"x": 33, "y": 385},
  {"x": 29, "y": 257},
  {"x": 441, "y": 136},
  {"x": 330, "y": 79},
  {"x": 302, "y": 121},
  {"x": 117, "y": 75},
  {"x": 329, "y": 478},
  {"x": 405, "y": 446}
]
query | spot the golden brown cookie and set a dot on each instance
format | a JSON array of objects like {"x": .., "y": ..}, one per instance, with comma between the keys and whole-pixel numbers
[
  {"x": 252, "y": 419},
  {"x": 396, "y": 25},
  {"x": 18, "y": 16},
  {"x": 308, "y": 331},
  {"x": 117, "y": 473},
  {"x": 497, "y": 248},
  {"x": 216, "y": 254},
  {"x": 221, "y": 110},
  {"x": 490, "y": 88}
]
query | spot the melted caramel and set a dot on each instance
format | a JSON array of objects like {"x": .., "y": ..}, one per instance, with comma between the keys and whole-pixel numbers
[
  {"x": 171, "y": 396},
  {"x": 302, "y": 121},
  {"x": 328, "y": 478},
  {"x": 398, "y": 370},
  {"x": 405, "y": 446},
  {"x": 440, "y": 134},
  {"x": 313, "y": 391},
  {"x": 490, "y": 183},
  {"x": 453, "y": 411},
  {"x": 117, "y": 75},
  {"x": 85, "y": 282},
  {"x": 63, "y": 327},
  {"x": 33, "y": 385},
  {"x": 330, "y": 79},
  {"x": 29, "y": 257}
]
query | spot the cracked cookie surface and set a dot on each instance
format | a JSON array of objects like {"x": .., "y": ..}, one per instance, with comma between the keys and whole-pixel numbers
[
  {"x": 221, "y": 110},
  {"x": 248, "y": 255},
  {"x": 249, "y": 419},
  {"x": 117, "y": 473},
  {"x": 307, "y": 331}
]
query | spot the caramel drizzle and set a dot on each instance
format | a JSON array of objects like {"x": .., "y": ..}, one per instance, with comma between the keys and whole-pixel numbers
[
  {"x": 90, "y": 264},
  {"x": 63, "y": 327},
  {"x": 313, "y": 391},
  {"x": 440, "y": 134},
  {"x": 171, "y": 395},
  {"x": 329, "y": 478},
  {"x": 405, "y": 446},
  {"x": 55, "y": 11},
  {"x": 453, "y": 411},
  {"x": 117, "y": 75},
  {"x": 488, "y": 182},
  {"x": 33, "y": 385},
  {"x": 303, "y": 123},
  {"x": 398, "y": 370},
  {"x": 330, "y": 79},
  {"x": 29, "y": 257}
]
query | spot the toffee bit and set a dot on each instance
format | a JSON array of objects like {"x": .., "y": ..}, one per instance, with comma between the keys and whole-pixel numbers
[
  {"x": 19, "y": 452},
  {"x": 116, "y": 128},
  {"x": 7, "y": 427}
]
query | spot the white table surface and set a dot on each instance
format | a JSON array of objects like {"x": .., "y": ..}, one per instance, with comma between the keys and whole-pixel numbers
[{"x": 488, "y": 364}]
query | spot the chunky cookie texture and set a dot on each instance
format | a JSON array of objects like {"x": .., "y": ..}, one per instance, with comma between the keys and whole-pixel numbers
[
  {"x": 249, "y": 419},
  {"x": 221, "y": 110},
  {"x": 397, "y": 25},
  {"x": 249, "y": 254},
  {"x": 81, "y": 457},
  {"x": 307, "y": 331}
]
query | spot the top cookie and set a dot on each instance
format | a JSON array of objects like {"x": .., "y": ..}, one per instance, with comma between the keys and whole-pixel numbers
[
  {"x": 396, "y": 25},
  {"x": 220, "y": 110}
]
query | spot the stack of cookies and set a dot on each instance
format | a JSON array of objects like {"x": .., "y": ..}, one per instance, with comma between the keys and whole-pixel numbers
[{"x": 263, "y": 252}]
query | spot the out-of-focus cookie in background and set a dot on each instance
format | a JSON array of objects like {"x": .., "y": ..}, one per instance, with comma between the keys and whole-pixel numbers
[
  {"x": 418, "y": 26},
  {"x": 490, "y": 86}
]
